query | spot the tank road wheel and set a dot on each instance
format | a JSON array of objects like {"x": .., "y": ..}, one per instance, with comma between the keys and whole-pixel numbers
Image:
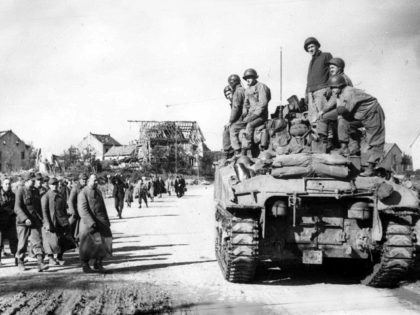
[
  {"x": 396, "y": 258},
  {"x": 236, "y": 246}
]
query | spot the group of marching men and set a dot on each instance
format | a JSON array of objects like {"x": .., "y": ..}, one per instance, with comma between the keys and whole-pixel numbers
[
  {"x": 335, "y": 109},
  {"x": 144, "y": 189},
  {"x": 46, "y": 217}
]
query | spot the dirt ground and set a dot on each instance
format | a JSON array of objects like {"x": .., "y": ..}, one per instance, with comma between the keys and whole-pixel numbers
[{"x": 164, "y": 262}]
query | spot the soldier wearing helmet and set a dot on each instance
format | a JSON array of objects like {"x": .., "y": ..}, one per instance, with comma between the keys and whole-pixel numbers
[
  {"x": 236, "y": 120},
  {"x": 360, "y": 110},
  {"x": 257, "y": 97},
  {"x": 327, "y": 118},
  {"x": 318, "y": 74},
  {"x": 227, "y": 148}
]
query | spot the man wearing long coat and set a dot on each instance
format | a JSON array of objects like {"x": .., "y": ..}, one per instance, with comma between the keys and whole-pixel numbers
[
  {"x": 74, "y": 218},
  {"x": 56, "y": 225},
  {"x": 95, "y": 232}
]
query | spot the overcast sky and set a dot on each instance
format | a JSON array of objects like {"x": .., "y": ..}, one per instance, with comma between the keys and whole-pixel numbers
[{"x": 68, "y": 68}]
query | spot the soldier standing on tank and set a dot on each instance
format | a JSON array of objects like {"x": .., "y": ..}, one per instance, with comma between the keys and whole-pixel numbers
[
  {"x": 317, "y": 83},
  {"x": 360, "y": 109},
  {"x": 28, "y": 223},
  {"x": 257, "y": 97},
  {"x": 328, "y": 117},
  {"x": 236, "y": 120},
  {"x": 7, "y": 217}
]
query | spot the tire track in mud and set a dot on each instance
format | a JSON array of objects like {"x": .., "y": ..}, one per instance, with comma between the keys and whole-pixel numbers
[{"x": 100, "y": 299}]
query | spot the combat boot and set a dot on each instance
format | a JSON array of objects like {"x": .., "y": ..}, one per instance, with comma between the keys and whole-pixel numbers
[
  {"x": 21, "y": 265},
  {"x": 85, "y": 267},
  {"x": 98, "y": 266},
  {"x": 369, "y": 171},
  {"x": 41, "y": 266},
  {"x": 60, "y": 259},
  {"x": 52, "y": 261}
]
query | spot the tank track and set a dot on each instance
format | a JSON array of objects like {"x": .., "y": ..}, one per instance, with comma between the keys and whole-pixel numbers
[
  {"x": 236, "y": 246},
  {"x": 396, "y": 258}
]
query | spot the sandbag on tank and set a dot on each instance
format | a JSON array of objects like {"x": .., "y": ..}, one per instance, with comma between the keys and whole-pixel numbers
[
  {"x": 299, "y": 159},
  {"x": 291, "y": 171},
  {"x": 335, "y": 171},
  {"x": 330, "y": 159}
]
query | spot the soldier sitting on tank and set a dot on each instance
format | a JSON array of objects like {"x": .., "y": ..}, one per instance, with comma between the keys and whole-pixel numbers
[
  {"x": 236, "y": 120},
  {"x": 227, "y": 148},
  {"x": 328, "y": 117},
  {"x": 360, "y": 109},
  {"x": 257, "y": 97}
]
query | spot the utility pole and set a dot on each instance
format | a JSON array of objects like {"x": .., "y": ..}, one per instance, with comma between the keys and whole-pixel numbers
[{"x": 281, "y": 75}]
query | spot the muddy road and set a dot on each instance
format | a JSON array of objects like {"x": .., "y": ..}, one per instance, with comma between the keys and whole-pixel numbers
[{"x": 164, "y": 262}]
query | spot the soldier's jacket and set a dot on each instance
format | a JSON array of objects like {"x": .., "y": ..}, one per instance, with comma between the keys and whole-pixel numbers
[
  {"x": 54, "y": 210},
  {"x": 7, "y": 202},
  {"x": 92, "y": 210},
  {"x": 238, "y": 100},
  {"x": 357, "y": 102},
  {"x": 28, "y": 206},
  {"x": 256, "y": 101}
]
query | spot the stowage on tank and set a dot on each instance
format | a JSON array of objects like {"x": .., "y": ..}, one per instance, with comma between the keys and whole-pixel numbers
[{"x": 292, "y": 206}]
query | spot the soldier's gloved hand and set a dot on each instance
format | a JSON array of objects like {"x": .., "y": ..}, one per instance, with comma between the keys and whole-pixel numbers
[{"x": 28, "y": 222}]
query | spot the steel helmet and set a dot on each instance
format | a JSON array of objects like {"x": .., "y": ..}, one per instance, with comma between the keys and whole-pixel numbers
[
  {"x": 337, "y": 62},
  {"x": 227, "y": 91},
  {"x": 337, "y": 81},
  {"x": 234, "y": 78},
  {"x": 311, "y": 40},
  {"x": 250, "y": 73}
]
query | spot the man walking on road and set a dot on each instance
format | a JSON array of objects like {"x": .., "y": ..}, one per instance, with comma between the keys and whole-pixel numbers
[
  {"x": 55, "y": 223},
  {"x": 74, "y": 218},
  {"x": 360, "y": 110},
  {"x": 7, "y": 218},
  {"x": 29, "y": 223},
  {"x": 95, "y": 231},
  {"x": 118, "y": 194}
]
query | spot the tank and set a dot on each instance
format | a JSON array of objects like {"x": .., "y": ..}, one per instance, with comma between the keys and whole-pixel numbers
[{"x": 305, "y": 208}]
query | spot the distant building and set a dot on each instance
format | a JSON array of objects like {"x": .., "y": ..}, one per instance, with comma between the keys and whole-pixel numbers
[
  {"x": 14, "y": 153},
  {"x": 392, "y": 158},
  {"x": 97, "y": 145},
  {"x": 415, "y": 152},
  {"x": 185, "y": 134},
  {"x": 124, "y": 152}
]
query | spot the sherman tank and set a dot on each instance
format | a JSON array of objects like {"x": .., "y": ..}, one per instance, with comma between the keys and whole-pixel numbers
[{"x": 291, "y": 205}]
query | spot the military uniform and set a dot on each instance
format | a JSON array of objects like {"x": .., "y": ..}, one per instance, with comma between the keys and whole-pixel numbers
[
  {"x": 118, "y": 194},
  {"x": 317, "y": 83},
  {"x": 360, "y": 109},
  {"x": 55, "y": 221},
  {"x": 236, "y": 118},
  {"x": 256, "y": 102},
  {"x": 8, "y": 220},
  {"x": 331, "y": 116},
  {"x": 28, "y": 207},
  {"x": 95, "y": 232}
]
